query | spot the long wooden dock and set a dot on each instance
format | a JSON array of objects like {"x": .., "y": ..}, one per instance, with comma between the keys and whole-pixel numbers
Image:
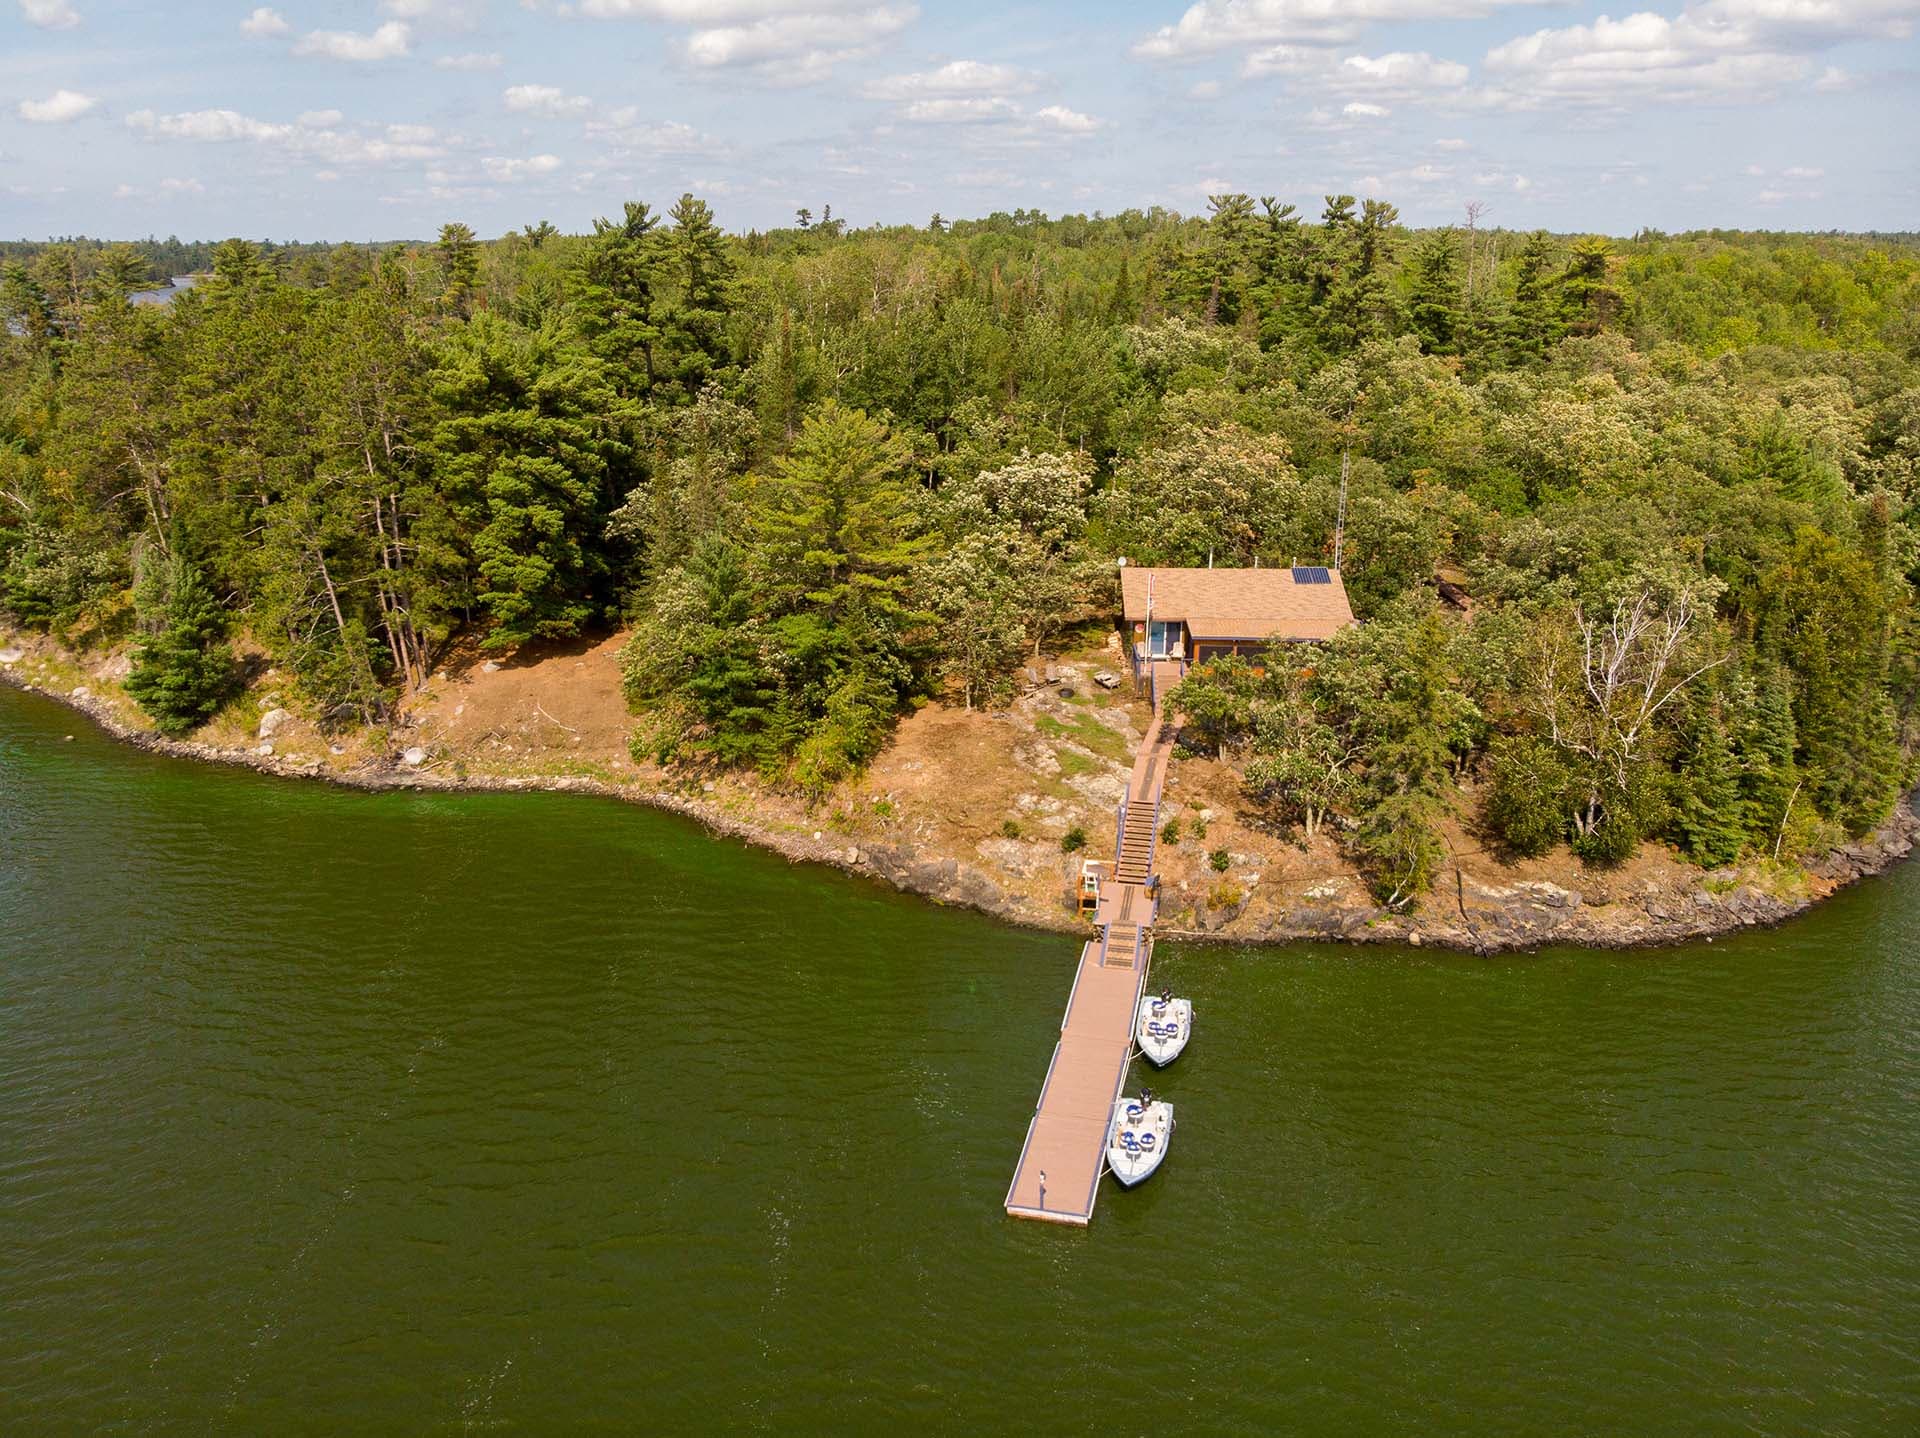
[{"x": 1058, "y": 1177}]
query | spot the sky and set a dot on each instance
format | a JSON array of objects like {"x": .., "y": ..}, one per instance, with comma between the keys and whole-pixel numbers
[{"x": 383, "y": 119}]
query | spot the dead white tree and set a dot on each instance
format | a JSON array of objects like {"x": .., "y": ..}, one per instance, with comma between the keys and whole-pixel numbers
[{"x": 1600, "y": 696}]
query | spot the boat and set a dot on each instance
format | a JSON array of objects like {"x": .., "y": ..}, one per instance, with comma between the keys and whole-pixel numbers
[
  {"x": 1138, "y": 1137},
  {"x": 1163, "y": 1027}
]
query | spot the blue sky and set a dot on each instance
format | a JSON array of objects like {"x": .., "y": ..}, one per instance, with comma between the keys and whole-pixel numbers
[{"x": 355, "y": 119}]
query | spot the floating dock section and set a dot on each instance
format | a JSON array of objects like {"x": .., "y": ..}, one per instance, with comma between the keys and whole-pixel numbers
[{"x": 1065, "y": 1154}]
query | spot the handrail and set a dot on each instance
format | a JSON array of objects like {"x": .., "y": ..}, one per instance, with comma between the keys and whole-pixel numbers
[{"x": 1119, "y": 836}]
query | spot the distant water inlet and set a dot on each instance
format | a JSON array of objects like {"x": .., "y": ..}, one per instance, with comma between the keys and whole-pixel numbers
[{"x": 326, "y": 1111}]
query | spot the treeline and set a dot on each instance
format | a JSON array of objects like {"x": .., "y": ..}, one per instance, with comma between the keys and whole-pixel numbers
[{"x": 825, "y": 475}]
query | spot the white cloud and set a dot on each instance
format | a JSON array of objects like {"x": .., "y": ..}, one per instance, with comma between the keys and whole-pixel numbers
[
  {"x": 1362, "y": 110},
  {"x": 316, "y": 136},
  {"x": 499, "y": 167},
  {"x": 206, "y": 126},
  {"x": 703, "y": 12},
  {"x": 1205, "y": 90},
  {"x": 1402, "y": 72},
  {"x": 1504, "y": 178},
  {"x": 50, "y": 14},
  {"x": 172, "y": 186},
  {"x": 264, "y": 24},
  {"x": 446, "y": 12},
  {"x": 1728, "y": 51},
  {"x": 1413, "y": 76},
  {"x": 1450, "y": 143},
  {"x": 549, "y": 102},
  {"x": 798, "y": 48},
  {"x": 958, "y": 77},
  {"x": 473, "y": 61},
  {"x": 785, "y": 42},
  {"x": 960, "y": 110},
  {"x": 1770, "y": 197},
  {"x": 1803, "y": 172},
  {"x": 1215, "y": 25},
  {"x": 1072, "y": 121},
  {"x": 625, "y": 130},
  {"x": 58, "y": 108},
  {"x": 390, "y": 41}
]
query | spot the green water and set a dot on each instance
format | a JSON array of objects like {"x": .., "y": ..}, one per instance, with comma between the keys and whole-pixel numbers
[{"x": 410, "y": 1113}]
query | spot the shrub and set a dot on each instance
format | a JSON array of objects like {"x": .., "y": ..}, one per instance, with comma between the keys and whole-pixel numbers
[
  {"x": 1170, "y": 832},
  {"x": 1074, "y": 840},
  {"x": 1224, "y": 895},
  {"x": 1197, "y": 827},
  {"x": 1527, "y": 804},
  {"x": 1010, "y": 829},
  {"x": 1221, "y": 860},
  {"x": 184, "y": 671}
]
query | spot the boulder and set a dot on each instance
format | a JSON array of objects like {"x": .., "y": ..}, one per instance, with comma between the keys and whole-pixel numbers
[
  {"x": 264, "y": 750},
  {"x": 272, "y": 721},
  {"x": 489, "y": 668},
  {"x": 81, "y": 692},
  {"x": 414, "y": 757},
  {"x": 11, "y": 655}
]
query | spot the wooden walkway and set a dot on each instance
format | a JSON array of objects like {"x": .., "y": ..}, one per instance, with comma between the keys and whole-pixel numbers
[{"x": 1058, "y": 1177}]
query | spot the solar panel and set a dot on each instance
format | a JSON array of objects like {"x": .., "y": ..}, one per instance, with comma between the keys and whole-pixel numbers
[{"x": 1311, "y": 574}]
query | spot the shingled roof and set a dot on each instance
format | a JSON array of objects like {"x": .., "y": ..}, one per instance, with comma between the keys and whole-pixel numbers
[{"x": 1244, "y": 604}]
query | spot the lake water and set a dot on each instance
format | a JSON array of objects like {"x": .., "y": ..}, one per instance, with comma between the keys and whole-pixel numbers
[{"x": 322, "y": 1111}]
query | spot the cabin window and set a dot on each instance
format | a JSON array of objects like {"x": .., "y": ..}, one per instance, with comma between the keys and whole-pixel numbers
[{"x": 1162, "y": 635}]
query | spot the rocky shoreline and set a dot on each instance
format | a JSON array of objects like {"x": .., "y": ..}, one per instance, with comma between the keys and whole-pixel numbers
[{"x": 1473, "y": 912}]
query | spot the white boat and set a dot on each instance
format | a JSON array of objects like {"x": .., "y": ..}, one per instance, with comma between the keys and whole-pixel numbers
[
  {"x": 1138, "y": 1137},
  {"x": 1163, "y": 1027}
]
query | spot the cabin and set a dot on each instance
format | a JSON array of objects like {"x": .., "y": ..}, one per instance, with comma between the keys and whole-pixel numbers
[{"x": 1187, "y": 616}]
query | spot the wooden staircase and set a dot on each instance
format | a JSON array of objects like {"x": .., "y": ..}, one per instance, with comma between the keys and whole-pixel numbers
[
  {"x": 1121, "y": 947},
  {"x": 1137, "y": 824}
]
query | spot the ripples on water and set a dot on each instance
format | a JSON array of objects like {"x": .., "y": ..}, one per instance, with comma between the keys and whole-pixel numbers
[{"x": 321, "y": 1110}]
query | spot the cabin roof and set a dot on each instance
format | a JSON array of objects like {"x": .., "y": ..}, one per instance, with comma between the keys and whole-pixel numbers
[{"x": 1243, "y": 604}]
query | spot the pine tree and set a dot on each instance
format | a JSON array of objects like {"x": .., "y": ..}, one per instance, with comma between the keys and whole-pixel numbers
[
  {"x": 1533, "y": 324},
  {"x": 700, "y": 270},
  {"x": 1409, "y": 765},
  {"x": 184, "y": 671},
  {"x": 525, "y": 449},
  {"x": 1708, "y": 814},
  {"x": 238, "y": 265},
  {"x": 458, "y": 255},
  {"x": 121, "y": 270},
  {"x": 1434, "y": 307},
  {"x": 1588, "y": 303},
  {"x": 1765, "y": 740},
  {"x": 616, "y": 310}
]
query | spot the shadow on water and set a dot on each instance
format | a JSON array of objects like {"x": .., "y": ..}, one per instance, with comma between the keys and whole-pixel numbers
[{"x": 406, "y": 1111}]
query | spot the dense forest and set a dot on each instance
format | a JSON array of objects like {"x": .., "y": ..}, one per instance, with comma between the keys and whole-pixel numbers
[{"x": 1630, "y": 525}]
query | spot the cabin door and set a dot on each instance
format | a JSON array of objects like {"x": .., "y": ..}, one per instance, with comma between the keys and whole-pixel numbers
[{"x": 1160, "y": 638}]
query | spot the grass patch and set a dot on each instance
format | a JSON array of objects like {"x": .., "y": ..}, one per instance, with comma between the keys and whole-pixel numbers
[
  {"x": 1073, "y": 763},
  {"x": 1089, "y": 733}
]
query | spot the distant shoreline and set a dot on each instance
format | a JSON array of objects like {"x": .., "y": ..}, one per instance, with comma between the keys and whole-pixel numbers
[{"x": 1522, "y": 916}]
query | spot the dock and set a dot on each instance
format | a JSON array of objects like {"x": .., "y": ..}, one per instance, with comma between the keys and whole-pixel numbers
[{"x": 1065, "y": 1154}]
